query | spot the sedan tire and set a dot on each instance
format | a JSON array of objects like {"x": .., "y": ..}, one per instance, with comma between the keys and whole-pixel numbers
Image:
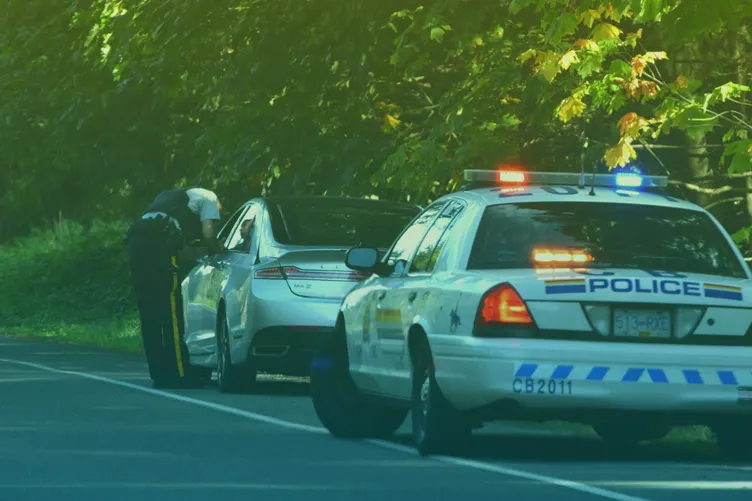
[{"x": 231, "y": 378}]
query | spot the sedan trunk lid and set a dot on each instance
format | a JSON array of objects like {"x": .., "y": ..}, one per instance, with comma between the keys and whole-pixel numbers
[{"x": 319, "y": 273}]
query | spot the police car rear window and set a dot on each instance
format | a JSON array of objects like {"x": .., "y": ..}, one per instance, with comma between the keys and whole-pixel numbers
[
  {"x": 616, "y": 235},
  {"x": 338, "y": 222}
]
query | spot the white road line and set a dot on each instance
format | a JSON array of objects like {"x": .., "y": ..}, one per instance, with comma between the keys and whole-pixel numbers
[{"x": 477, "y": 465}]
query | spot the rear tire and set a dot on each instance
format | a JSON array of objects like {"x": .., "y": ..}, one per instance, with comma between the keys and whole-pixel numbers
[
  {"x": 437, "y": 427},
  {"x": 231, "y": 378},
  {"x": 338, "y": 403}
]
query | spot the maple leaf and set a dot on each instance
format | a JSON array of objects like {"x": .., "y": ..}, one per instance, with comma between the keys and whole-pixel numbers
[
  {"x": 568, "y": 59},
  {"x": 639, "y": 63},
  {"x": 681, "y": 82},
  {"x": 585, "y": 44},
  {"x": 636, "y": 88},
  {"x": 527, "y": 55},
  {"x": 390, "y": 122},
  {"x": 605, "y": 31},
  {"x": 589, "y": 17},
  {"x": 570, "y": 108},
  {"x": 547, "y": 64},
  {"x": 631, "y": 124},
  {"x": 648, "y": 89},
  {"x": 619, "y": 155},
  {"x": 632, "y": 38}
]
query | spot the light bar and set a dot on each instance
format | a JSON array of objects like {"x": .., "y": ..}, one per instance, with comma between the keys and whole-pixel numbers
[
  {"x": 551, "y": 256},
  {"x": 516, "y": 177}
]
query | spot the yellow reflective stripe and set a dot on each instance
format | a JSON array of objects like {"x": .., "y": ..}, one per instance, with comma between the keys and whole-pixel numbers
[{"x": 174, "y": 311}]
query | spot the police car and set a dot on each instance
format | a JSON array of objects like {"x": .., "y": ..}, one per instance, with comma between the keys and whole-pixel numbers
[{"x": 598, "y": 299}]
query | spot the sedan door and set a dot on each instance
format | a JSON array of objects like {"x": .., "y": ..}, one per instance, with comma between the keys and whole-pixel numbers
[
  {"x": 201, "y": 292},
  {"x": 241, "y": 257}
]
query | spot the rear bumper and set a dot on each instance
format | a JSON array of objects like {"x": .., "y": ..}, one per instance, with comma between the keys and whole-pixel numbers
[
  {"x": 539, "y": 379},
  {"x": 287, "y": 350}
]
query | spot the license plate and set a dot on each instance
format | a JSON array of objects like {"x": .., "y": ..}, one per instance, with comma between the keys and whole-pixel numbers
[{"x": 642, "y": 323}]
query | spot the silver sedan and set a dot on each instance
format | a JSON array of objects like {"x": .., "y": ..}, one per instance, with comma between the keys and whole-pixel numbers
[{"x": 265, "y": 304}]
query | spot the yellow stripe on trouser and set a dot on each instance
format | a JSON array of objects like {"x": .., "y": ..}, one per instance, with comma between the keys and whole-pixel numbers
[{"x": 174, "y": 311}]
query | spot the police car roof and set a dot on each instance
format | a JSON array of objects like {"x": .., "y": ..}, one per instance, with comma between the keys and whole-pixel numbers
[{"x": 557, "y": 193}]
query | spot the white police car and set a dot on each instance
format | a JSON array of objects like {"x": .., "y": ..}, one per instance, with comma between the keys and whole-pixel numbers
[{"x": 589, "y": 298}]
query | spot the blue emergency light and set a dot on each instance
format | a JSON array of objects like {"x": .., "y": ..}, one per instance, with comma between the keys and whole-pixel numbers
[{"x": 525, "y": 178}]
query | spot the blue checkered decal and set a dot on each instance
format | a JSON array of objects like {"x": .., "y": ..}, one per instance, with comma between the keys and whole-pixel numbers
[{"x": 634, "y": 374}]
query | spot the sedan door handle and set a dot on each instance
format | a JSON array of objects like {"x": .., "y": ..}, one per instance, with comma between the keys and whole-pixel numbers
[
  {"x": 411, "y": 297},
  {"x": 381, "y": 295}
]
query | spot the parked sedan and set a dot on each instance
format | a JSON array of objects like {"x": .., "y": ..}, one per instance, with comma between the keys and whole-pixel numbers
[{"x": 264, "y": 304}]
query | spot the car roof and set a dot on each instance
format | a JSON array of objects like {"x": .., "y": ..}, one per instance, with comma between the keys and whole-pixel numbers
[
  {"x": 488, "y": 196},
  {"x": 282, "y": 199}
]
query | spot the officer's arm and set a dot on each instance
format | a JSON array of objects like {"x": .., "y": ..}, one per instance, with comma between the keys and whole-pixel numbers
[{"x": 208, "y": 228}]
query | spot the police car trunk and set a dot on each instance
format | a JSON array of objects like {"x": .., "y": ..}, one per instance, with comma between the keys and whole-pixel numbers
[{"x": 609, "y": 268}]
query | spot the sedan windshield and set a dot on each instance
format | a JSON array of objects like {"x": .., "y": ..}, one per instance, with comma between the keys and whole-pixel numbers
[{"x": 616, "y": 235}]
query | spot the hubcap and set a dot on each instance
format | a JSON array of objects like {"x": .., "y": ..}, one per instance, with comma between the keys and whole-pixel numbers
[
  {"x": 424, "y": 392},
  {"x": 222, "y": 355}
]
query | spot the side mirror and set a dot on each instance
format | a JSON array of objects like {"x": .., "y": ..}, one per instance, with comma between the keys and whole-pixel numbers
[{"x": 362, "y": 258}]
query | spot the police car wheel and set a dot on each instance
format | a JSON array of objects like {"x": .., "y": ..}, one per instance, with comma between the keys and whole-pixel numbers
[
  {"x": 436, "y": 426},
  {"x": 734, "y": 439},
  {"x": 231, "y": 378},
  {"x": 338, "y": 403}
]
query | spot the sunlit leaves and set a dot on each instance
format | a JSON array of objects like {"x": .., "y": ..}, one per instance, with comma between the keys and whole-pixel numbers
[
  {"x": 620, "y": 154},
  {"x": 605, "y": 31},
  {"x": 568, "y": 59},
  {"x": 640, "y": 62},
  {"x": 571, "y": 107}
]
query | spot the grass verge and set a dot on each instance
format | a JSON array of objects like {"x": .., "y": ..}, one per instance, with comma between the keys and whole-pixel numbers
[{"x": 71, "y": 284}]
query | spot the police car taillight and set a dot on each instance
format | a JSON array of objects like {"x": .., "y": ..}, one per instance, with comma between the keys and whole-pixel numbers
[{"x": 503, "y": 304}]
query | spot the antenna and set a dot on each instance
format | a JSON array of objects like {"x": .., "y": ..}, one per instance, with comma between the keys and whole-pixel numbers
[{"x": 582, "y": 159}]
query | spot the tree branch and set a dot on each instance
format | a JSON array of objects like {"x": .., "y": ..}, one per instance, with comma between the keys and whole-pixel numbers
[
  {"x": 724, "y": 201},
  {"x": 710, "y": 191}
]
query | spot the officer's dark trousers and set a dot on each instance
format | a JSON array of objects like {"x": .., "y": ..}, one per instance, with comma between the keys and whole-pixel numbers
[{"x": 154, "y": 272}]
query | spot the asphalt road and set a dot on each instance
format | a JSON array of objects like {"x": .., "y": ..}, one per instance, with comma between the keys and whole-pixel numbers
[{"x": 81, "y": 424}]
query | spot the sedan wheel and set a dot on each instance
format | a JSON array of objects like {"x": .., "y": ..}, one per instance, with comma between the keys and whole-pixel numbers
[{"x": 231, "y": 378}]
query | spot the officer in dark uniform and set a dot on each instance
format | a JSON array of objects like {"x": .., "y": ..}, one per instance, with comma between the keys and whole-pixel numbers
[{"x": 174, "y": 219}]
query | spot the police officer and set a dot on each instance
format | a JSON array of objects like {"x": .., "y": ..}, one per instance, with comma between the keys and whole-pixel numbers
[{"x": 174, "y": 219}]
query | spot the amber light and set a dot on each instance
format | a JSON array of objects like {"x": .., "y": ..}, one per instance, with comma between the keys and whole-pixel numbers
[
  {"x": 511, "y": 176},
  {"x": 504, "y": 305},
  {"x": 546, "y": 256}
]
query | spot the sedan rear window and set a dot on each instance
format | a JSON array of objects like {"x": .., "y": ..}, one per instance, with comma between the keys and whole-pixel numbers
[
  {"x": 616, "y": 235},
  {"x": 337, "y": 222}
]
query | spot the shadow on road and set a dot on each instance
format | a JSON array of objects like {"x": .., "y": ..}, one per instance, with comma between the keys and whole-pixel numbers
[
  {"x": 282, "y": 389},
  {"x": 551, "y": 448},
  {"x": 276, "y": 387}
]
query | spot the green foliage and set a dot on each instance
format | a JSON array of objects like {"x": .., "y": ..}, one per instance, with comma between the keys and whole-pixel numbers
[
  {"x": 69, "y": 282},
  {"x": 105, "y": 102}
]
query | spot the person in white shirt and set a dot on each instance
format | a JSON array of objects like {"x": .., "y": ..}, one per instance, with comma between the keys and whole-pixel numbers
[{"x": 174, "y": 219}]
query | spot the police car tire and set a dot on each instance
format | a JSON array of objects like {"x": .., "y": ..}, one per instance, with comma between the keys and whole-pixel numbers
[
  {"x": 735, "y": 440},
  {"x": 439, "y": 429},
  {"x": 233, "y": 378},
  {"x": 338, "y": 403}
]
